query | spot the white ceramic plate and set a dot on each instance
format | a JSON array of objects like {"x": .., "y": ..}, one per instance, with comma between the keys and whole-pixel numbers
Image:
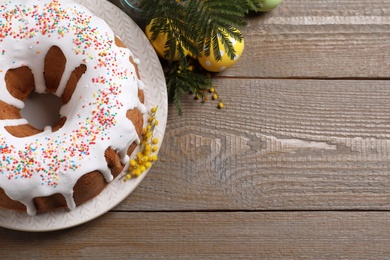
[{"x": 155, "y": 95}]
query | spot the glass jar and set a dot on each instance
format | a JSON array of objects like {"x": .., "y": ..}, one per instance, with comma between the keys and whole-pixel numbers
[
  {"x": 131, "y": 4},
  {"x": 131, "y": 8}
]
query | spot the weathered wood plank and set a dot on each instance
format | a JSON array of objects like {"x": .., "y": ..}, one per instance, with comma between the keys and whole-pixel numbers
[
  {"x": 249, "y": 235},
  {"x": 317, "y": 39},
  {"x": 279, "y": 144}
]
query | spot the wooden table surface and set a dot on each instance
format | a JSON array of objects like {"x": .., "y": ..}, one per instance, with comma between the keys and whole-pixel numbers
[{"x": 296, "y": 166}]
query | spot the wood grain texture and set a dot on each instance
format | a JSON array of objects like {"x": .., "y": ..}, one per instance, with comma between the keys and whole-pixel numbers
[
  {"x": 223, "y": 235},
  {"x": 279, "y": 144},
  {"x": 318, "y": 39},
  {"x": 296, "y": 166}
]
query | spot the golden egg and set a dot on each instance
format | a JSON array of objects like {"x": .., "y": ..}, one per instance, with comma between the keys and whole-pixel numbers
[
  {"x": 212, "y": 65},
  {"x": 160, "y": 42}
]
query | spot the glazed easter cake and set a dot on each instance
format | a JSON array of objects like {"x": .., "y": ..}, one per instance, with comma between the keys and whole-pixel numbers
[{"x": 59, "y": 47}]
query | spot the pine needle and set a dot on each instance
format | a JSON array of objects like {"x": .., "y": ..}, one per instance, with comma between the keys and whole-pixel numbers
[{"x": 195, "y": 26}]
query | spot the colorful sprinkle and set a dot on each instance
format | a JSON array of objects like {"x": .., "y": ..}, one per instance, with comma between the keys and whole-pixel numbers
[{"x": 64, "y": 153}]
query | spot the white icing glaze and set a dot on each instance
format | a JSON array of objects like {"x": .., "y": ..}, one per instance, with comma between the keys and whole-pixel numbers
[{"x": 52, "y": 162}]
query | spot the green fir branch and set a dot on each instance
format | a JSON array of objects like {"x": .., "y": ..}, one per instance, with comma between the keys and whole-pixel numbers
[
  {"x": 184, "y": 80},
  {"x": 252, "y": 5},
  {"x": 191, "y": 24},
  {"x": 194, "y": 26}
]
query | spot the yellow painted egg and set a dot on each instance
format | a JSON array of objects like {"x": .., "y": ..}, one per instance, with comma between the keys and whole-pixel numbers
[
  {"x": 159, "y": 43},
  {"x": 212, "y": 65}
]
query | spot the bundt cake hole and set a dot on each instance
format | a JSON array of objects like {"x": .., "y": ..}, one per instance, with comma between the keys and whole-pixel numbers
[{"x": 42, "y": 110}]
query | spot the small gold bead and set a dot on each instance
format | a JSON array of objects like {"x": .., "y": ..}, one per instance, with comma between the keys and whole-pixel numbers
[
  {"x": 133, "y": 162},
  {"x": 136, "y": 172}
]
